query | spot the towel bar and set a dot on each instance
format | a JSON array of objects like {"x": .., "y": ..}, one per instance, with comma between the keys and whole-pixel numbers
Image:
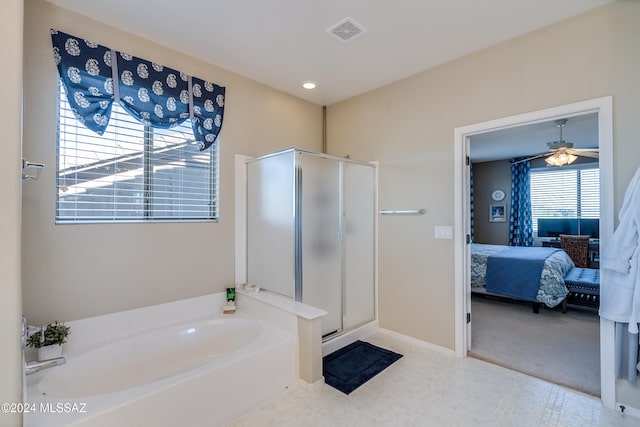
[{"x": 404, "y": 212}]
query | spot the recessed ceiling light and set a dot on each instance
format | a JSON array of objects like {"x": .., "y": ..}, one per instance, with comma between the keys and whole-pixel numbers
[{"x": 309, "y": 85}]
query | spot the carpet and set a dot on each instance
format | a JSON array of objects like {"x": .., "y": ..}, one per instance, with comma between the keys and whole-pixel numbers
[
  {"x": 563, "y": 348},
  {"x": 348, "y": 368}
]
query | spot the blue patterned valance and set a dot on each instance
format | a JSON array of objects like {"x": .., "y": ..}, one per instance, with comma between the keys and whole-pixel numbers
[
  {"x": 94, "y": 76},
  {"x": 151, "y": 93}
]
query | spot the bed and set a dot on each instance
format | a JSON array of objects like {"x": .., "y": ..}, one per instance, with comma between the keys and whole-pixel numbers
[{"x": 551, "y": 289}]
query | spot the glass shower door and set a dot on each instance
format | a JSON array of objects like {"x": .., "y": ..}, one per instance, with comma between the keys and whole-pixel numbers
[
  {"x": 320, "y": 237},
  {"x": 271, "y": 223},
  {"x": 358, "y": 244}
]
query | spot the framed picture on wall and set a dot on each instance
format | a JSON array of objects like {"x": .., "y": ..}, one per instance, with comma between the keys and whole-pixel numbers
[{"x": 497, "y": 213}]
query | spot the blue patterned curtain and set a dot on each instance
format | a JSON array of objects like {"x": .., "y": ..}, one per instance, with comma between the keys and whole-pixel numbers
[
  {"x": 94, "y": 76},
  {"x": 208, "y": 108},
  {"x": 85, "y": 70},
  {"x": 520, "y": 229}
]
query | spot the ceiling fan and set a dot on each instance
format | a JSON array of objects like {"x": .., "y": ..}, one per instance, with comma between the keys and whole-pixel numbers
[{"x": 561, "y": 152}]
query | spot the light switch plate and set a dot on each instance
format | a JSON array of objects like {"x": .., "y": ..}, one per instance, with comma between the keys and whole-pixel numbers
[{"x": 443, "y": 232}]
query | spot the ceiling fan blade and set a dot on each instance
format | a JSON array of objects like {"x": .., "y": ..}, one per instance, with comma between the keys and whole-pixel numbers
[
  {"x": 592, "y": 154},
  {"x": 579, "y": 151},
  {"x": 535, "y": 156}
]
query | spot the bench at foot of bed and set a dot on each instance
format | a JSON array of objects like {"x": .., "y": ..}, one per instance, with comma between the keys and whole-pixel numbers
[{"x": 584, "y": 288}]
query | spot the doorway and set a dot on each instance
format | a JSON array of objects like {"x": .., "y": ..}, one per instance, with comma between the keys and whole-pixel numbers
[{"x": 462, "y": 135}]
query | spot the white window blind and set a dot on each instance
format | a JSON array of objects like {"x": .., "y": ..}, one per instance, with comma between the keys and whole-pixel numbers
[
  {"x": 568, "y": 193},
  {"x": 132, "y": 172}
]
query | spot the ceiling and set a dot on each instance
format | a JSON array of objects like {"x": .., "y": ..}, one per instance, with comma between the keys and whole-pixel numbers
[
  {"x": 282, "y": 43},
  {"x": 527, "y": 140}
]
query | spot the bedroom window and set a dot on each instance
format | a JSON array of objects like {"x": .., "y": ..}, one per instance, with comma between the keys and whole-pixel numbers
[
  {"x": 132, "y": 173},
  {"x": 565, "y": 193}
]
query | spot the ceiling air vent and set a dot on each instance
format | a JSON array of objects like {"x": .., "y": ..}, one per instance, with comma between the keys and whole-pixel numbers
[{"x": 346, "y": 30}]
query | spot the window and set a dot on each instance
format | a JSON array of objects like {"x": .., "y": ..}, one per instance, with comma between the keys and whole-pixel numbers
[
  {"x": 569, "y": 193},
  {"x": 132, "y": 172}
]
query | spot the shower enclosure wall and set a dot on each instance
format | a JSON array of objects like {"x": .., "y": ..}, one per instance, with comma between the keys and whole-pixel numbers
[{"x": 310, "y": 233}]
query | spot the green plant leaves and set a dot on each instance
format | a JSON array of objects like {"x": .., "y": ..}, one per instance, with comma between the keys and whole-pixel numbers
[{"x": 54, "y": 333}]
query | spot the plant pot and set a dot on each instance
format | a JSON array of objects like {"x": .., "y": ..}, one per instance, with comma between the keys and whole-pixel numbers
[{"x": 49, "y": 352}]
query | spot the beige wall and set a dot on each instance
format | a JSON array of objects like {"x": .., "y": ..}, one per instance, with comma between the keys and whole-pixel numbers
[
  {"x": 10, "y": 299},
  {"x": 75, "y": 271},
  {"x": 408, "y": 127}
]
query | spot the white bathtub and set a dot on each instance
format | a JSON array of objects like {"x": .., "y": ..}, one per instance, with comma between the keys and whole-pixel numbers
[{"x": 199, "y": 372}]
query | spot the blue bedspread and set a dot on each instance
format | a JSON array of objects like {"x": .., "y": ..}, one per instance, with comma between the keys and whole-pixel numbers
[{"x": 516, "y": 271}]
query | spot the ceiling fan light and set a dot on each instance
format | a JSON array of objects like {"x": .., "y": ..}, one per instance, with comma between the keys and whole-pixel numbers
[
  {"x": 552, "y": 161},
  {"x": 560, "y": 159}
]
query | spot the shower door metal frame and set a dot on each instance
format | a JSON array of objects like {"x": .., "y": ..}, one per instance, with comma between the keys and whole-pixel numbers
[{"x": 297, "y": 203}]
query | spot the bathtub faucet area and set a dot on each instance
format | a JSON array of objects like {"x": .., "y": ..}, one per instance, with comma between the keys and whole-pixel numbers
[
  {"x": 39, "y": 365},
  {"x": 28, "y": 330}
]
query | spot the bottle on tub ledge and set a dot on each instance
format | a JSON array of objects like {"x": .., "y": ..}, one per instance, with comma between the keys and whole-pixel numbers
[{"x": 230, "y": 306}]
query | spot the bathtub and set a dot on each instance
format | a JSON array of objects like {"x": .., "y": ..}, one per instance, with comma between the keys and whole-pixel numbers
[{"x": 203, "y": 371}]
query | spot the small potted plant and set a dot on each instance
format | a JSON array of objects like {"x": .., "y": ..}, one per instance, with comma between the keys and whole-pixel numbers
[{"x": 49, "y": 340}]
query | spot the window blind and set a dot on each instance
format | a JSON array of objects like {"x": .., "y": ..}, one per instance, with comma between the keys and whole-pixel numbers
[
  {"x": 132, "y": 172},
  {"x": 570, "y": 193}
]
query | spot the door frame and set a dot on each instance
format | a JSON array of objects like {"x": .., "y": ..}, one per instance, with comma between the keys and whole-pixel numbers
[{"x": 604, "y": 107}]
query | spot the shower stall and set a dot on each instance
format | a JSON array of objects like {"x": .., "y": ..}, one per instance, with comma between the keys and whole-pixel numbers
[{"x": 311, "y": 233}]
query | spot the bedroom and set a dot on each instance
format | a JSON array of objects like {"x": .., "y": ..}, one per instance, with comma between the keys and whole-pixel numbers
[{"x": 557, "y": 196}]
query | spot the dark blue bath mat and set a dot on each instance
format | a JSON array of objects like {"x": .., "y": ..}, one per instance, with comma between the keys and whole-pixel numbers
[{"x": 351, "y": 366}]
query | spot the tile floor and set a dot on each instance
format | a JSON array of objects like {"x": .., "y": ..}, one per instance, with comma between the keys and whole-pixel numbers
[{"x": 431, "y": 388}]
